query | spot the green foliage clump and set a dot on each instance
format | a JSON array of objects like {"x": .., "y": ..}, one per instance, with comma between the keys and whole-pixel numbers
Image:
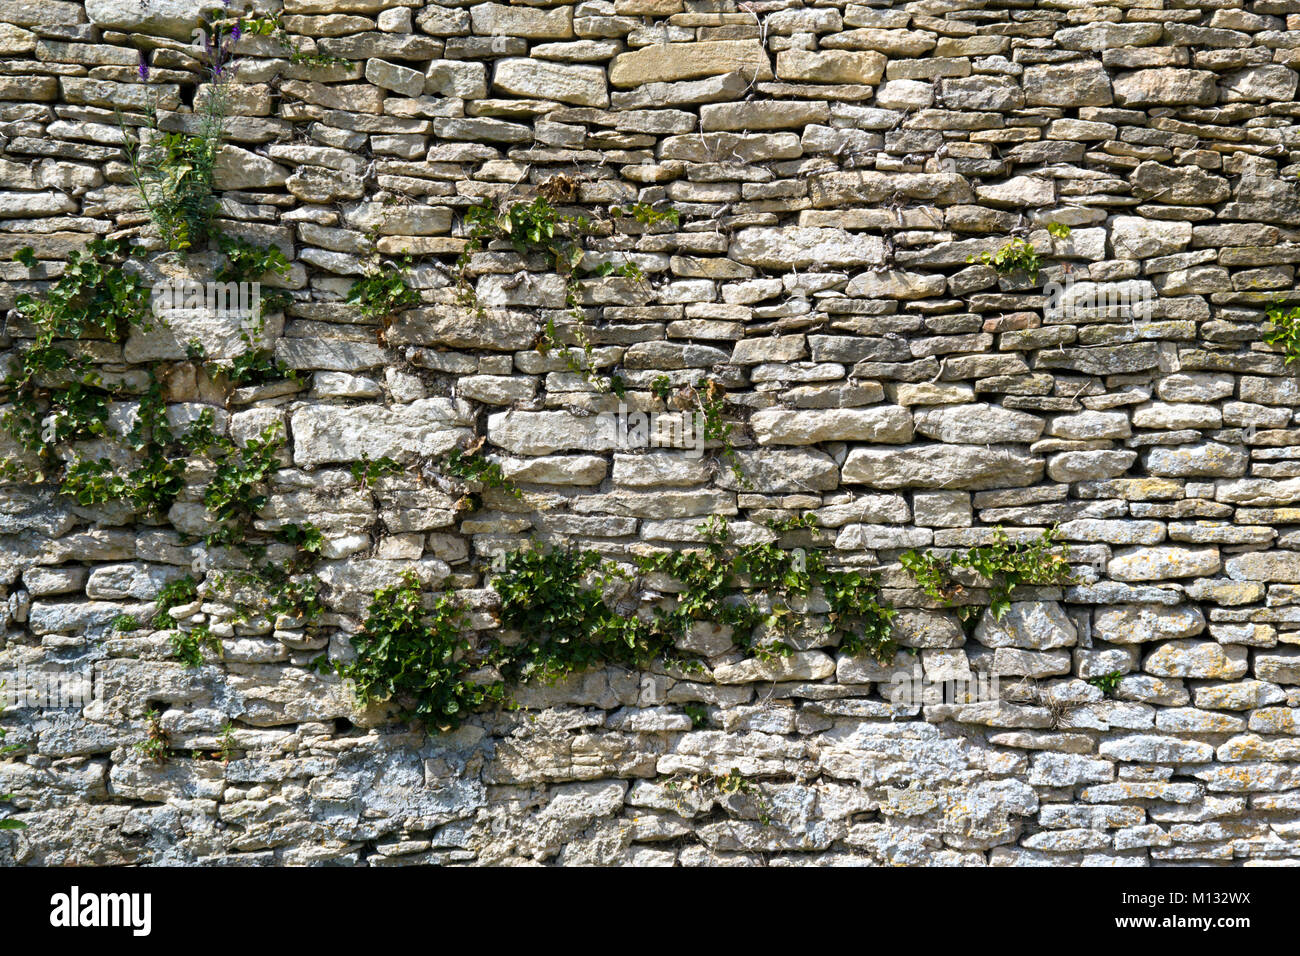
[
  {"x": 556, "y": 600},
  {"x": 247, "y": 261},
  {"x": 719, "y": 786},
  {"x": 1018, "y": 255},
  {"x": 1284, "y": 331},
  {"x": 188, "y": 646},
  {"x": 533, "y": 227},
  {"x": 1005, "y": 564},
  {"x": 56, "y": 396},
  {"x": 227, "y": 743},
  {"x": 419, "y": 658},
  {"x": 471, "y": 466},
  {"x": 1107, "y": 683},
  {"x": 254, "y": 367},
  {"x": 383, "y": 292},
  {"x": 698, "y": 714},
  {"x": 234, "y": 495},
  {"x": 173, "y": 594},
  {"x": 662, "y": 387},
  {"x": 646, "y": 214},
  {"x": 148, "y": 486}
]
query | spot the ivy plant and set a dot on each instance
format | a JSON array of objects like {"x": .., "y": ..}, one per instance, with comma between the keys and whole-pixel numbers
[
  {"x": 55, "y": 395},
  {"x": 417, "y": 657}
]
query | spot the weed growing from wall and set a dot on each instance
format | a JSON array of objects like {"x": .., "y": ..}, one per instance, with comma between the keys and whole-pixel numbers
[
  {"x": 383, "y": 292},
  {"x": 1018, "y": 255},
  {"x": 156, "y": 742},
  {"x": 1107, "y": 683},
  {"x": 173, "y": 171},
  {"x": 273, "y": 27}
]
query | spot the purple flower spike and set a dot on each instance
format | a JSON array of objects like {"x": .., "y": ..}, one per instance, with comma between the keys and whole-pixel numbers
[
  {"x": 143, "y": 68},
  {"x": 235, "y": 32}
]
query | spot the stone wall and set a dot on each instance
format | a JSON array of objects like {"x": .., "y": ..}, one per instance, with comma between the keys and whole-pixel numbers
[{"x": 838, "y": 170}]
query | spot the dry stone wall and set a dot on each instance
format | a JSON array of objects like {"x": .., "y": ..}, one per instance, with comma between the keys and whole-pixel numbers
[{"x": 839, "y": 171}]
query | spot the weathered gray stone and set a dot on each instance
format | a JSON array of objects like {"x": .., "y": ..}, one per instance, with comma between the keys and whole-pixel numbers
[
  {"x": 327, "y": 433},
  {"x": 1138, "y": 623},
  {"x": 977, "y": 424},
  {"x": 941, "y": 467},
  {"x": 891, "y": 425},
  {"x": 800, "y": 248},
  {"x": 1037, "y": 625}
]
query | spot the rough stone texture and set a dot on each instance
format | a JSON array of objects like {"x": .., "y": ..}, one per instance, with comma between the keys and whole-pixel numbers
[{"x": 839, "y": 170}]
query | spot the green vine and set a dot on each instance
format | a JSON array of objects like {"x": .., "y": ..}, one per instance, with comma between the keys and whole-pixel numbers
[
  {"x": 234, "y": 496},
  {"x": 538, "y": 228},
  {"x": 55, "y": 396},
  {"x": 367, "y": 471},
  {"x": 566, "y": 610},
  {"x": 1005, "y": 564},
  {"x": 383, "y": 292}
]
